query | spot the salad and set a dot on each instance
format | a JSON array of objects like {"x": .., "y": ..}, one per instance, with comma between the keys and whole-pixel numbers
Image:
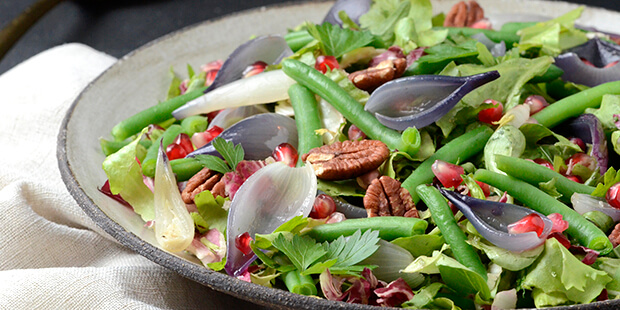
[{"x": 392, "y": 157}]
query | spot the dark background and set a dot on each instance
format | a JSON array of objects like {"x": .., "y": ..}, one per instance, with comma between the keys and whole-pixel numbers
[{"x": 118, "y": 27}]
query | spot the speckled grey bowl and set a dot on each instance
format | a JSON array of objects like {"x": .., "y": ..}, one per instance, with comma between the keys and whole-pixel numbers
[{"x": 140, "y": 79}]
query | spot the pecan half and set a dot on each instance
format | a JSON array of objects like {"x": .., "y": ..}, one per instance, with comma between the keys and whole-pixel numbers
[
  {"x": 205, "y": 179},
  {"x": 346, "y": 160},
  {"x": 386, "y": 197},
  {"x": 614, "y": 237},
  {"x": 373, "y": 77},
  {"x": 464, "y": 14}
]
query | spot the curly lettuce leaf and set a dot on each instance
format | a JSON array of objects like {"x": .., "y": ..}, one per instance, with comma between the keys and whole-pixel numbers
[
  {"x": 513, "y": 261},
  {"x": 382, "y": 17},
  {"x": 211, "y": 211},
  {"x": 125, "y": 177},
  {"x": 559, "y": 278},
  {"x": 610, "y": 106}
]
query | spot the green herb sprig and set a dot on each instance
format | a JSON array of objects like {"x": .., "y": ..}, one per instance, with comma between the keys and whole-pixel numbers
[{"x": 232, "y": 154}]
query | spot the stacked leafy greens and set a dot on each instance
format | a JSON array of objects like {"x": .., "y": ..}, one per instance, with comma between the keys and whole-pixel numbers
[{"x": 379, "y": 263}]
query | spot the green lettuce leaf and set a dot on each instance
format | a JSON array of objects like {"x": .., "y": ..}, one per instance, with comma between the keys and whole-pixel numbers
[
  {"x": 125, "y": 177},
  {"x": 506, "y": 89},
  {"x": 382, "y": 17},
  {"x": 427, "y": 298},
  {"x": 462, "y": 279},
  {"x": 610, "y": 106},
  {"x": 612, "y": 267},
  {"x": 175, "y": 83},
  {"x": 558, "y": 278},
  {"x": 553, "y": 36},
  {"x": 336, "y": 41},
  {"x": 420, "y": 245},
  {"x": 211, "y": 210},
  {"x": 439, "y": 56},
  {"x": 513, "y": 261},
  {"x": 610, "y": 178},
  {"x": 615, "y": 141}
]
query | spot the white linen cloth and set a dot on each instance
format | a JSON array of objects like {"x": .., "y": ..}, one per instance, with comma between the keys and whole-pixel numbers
[{"x": 52, "y": 256}]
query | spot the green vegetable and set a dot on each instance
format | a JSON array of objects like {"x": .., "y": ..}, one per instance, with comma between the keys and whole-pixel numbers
[
  {"x": 559, "y": 278},
  {"x": 306, "y": 118},
  {"x": 452, "y": 233},
  {"x": 299, "y": 284},
  {"x": 110, "y": 147},
  {"x": 440, "y": 55},
  {"x": 581, "y": 229},
  {"x": 194, "y": 124},
  {"x": 452, "y": 152},
  {"x": 600, "y": 219},
  {"x": 575, "y": 105},
  {"x": 534, "y": 174},
  {"x": 336, "y": 41},
  {"x": 345, "y": 104},
  {"x": 509, "y": 260},
  {"x": 211, "y": 210},
  {"x": 497, "y": 36},
  {"x": 610, "y": 178},
  {"x": 149, "y": 162},
  {"x": 389, "y": 227},
  {"x": 125, "y": 178},
  {"x": 610, "y": 106},
  {"x": 298, "y": 39},
  {"x": 553, "y": 73},
  {"x": 153, "y": 115},
  {"x": 420, "y": 244},
  {"x": 302, "y": 251},
  {"x": 185, "y": 168},
  {"x": 233, "y": 154},
  {"x": 506, "y": 140}
]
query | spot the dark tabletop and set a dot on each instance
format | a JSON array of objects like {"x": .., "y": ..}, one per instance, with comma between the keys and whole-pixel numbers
[{"x": 117, "y": 27}]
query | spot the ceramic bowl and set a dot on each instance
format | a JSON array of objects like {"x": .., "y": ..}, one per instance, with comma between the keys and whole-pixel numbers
[{"x": 140, "y": 80}]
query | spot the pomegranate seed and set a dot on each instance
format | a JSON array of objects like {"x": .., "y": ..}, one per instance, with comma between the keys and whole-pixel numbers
[
  {"x": 587, "y": 62},
  {"x": 560, "y": 237},
  {"x": 242, "y": 243},
  {"x": 336, "y": 217},
  {"x": 448, "y": 174},
  {"x": 581, "y": 159},
  {"x": 254, "y": 69},
  {"x": 355, "y": 134},
  {"x": 613, "y": 196},
  {"x": 324, "y": 62},
  {"x": 579, "y": 142},
  {"x": 286, "y": 153},
  {"x": 559, "y": 225},
  {"x": 611, "y": 64},
  {"x": 323, "y": 207},
  {"x": 202, "y": 138},
  {"x": 486, "y": 189},
  {"x": 212, "y": 115},
  {"x": 482, "y": 24},
  {"x": 544, "y": 163},
  {"x": 183, "y": 140},
  {"x": 175, "y": 151},
  {"x": 491, "y": 115},
  {"x": 183, "y": 86},
  {"x": 531, "y": 222},
  {"x": 574, "y": 178},
  {"x": 211, "y": 69},
  {"x": 536, "y": 103}
]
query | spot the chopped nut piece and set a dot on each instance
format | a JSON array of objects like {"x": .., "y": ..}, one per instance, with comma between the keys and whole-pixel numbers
[
  {"x": 378, "y": 75},
  {"x": 614, "y": 237},
  {"x": 205, "y": 179},
  {"x": 464, "y": 15},
  {"x": 386, "y": 197},
  {"x": 346, "y": 160}
]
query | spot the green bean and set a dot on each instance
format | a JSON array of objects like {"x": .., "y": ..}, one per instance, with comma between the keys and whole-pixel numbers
[
  {"x": 298, "y": 39},
  {"x": 185, "y": 168},
  {"x": 600, "y": 219},
  {"x": 194, "y": 124},
  {"x": 349, "y": 107},
  {"x": 551, "y": 74},
  {"x": 453, "y": 235},
  {"x": 581, "y": 229},
  {"x": 153, "y": 115},
  {"x": 299, "y": 284},
  {"x": 457, "y": 150},
  {"x": 575, "y": 105},
  {"x": 496, "y": 36},
  {"x": 110, "y": 147},
  {"x": 306, "y": 118},
  {"x": 150, "y": 161},
  {"x": 389, "y": 227},
  {"x": 534, "y": 174}
]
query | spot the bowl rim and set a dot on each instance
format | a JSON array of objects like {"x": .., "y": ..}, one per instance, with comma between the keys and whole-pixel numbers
[{"x": 223, "y": 283}]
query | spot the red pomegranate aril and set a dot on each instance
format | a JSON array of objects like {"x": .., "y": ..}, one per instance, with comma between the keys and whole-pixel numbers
[
  {"x": 323, "y": 207},
  {"x": 491, "y": 115},
  {"x": 574, "y": 178},
  {"x": 544, "y": 163},
  {"x": 355, "y": 134},
  {"x": 532, "y": 222},
  {"x": 175, "y": 151},
  {"x": 448, "y": 174},
  {"x": 482, "y": 24},
  {"x": 579, "y": 142},
  {"x": 536, "y": 103},
  {"x": 286, "y": 153},
  {"x": 242, "y": 243},
  {"x": 581, "y": 159},
  {"x": 561, "y": 238},
  {"x": 611, "y": 64},
  {"x": 211, "y": 69},
  {"x": 613, "y": 196},
  {"x": 587, "y": 62},
  {"x": 200, "y": 139},
  {"x": 185, "y": 142},
  {"x": 486, "y": 189},
  {"x": 324, "y": 62},
  {"x": 254, "y": 69},
  {"x": 212, "y": 115},
  {"x": 559, "y": 224}
]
